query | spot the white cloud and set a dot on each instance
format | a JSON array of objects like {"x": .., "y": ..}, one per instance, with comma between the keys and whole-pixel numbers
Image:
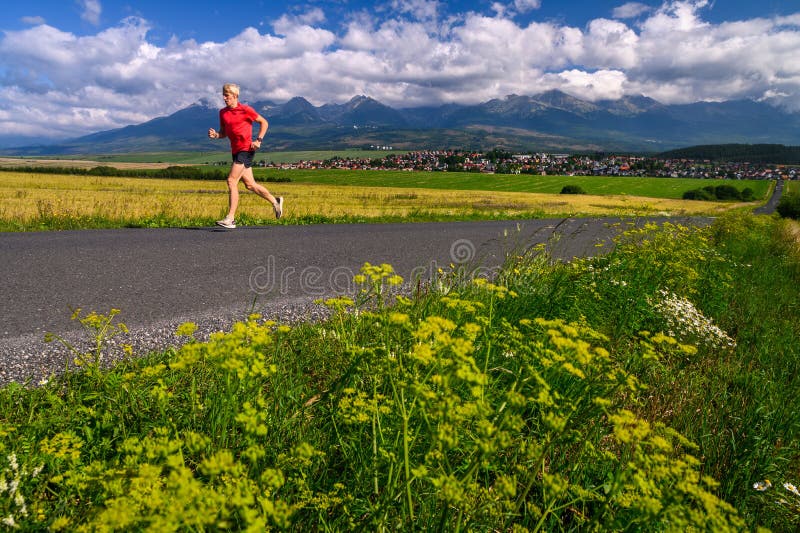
[
  {"x": 33, "y": 21},
  {"x": 418, "y": 9},
  {"x": 91, "y": 11},
  {"x": 500, "y": 9},
  {"x": 677, "y": 16},
  {"x": 67, "y": 85},
  {"x": 610, "y": 44},
  {"x": 630, "y": 10},
  {"x": 600, "y": 85},
  {"x": 313, "y": 16},
  {"x": 523, "y": 6},
  {"x": 517, "y": 6}
]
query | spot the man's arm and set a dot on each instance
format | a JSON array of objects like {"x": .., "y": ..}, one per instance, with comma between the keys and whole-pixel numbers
[
  {"x": 262, "y": 130},
  {"x": 214, "y": 134}
]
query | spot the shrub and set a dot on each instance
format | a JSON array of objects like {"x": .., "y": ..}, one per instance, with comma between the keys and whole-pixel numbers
[
  {"x": 727, "y": 192},
  {"x": 103, "y": 171},
  {"x": 572, "y": 189},
  {"x": 698, "y": 194},
  {"x": 720, "y": 192},
  {"x": 789, "y": 206}
]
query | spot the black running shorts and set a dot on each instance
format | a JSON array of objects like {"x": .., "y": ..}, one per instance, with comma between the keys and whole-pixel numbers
[{"x": 244, "y": 158}]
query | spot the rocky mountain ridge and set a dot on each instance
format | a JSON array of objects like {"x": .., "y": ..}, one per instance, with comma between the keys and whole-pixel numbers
[{"x": 551, "y": 120}]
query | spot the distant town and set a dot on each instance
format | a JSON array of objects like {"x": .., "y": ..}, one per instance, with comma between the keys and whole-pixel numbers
[{"x": 500, "y": 162}]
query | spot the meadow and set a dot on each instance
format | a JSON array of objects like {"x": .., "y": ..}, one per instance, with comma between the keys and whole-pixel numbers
[
  {"x": 650, "y": 388},
  {"x": 30, "y": 201},
  {"x": 666, "y": 188}
]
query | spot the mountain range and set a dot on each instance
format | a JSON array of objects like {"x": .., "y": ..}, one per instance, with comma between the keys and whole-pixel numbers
[{"x": 549, "y": 121}]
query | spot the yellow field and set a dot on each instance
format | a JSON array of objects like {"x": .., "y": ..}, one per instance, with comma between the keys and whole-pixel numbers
[
  {"x": 26, "y": 197},
  {"x": 14, "y": 162}
]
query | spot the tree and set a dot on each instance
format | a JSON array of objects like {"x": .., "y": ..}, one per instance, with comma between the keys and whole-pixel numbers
[
  {"x": 727, "y": 192},
  {"x": 789, "y": 206}
]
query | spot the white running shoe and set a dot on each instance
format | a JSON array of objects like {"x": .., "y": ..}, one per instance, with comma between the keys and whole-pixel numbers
[
  {"x": 278, "y": 208},
  {"x": 225, "y": 223}
]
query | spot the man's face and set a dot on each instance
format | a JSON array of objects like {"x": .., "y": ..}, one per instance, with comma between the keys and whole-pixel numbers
[{"x": 230, "y": 99}]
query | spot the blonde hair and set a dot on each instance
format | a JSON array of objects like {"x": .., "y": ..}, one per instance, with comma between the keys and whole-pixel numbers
[{"x": 230, "y": 88}]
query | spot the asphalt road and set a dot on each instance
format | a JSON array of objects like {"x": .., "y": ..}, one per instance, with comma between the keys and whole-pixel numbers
[
  {"x": 160, "y": 278},
  {"x": 772, "y": 203},
  {"x": 156, "y": 274}
]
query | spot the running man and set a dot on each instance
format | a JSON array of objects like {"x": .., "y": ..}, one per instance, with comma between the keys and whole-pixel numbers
[{"x": 236, "y": 123}]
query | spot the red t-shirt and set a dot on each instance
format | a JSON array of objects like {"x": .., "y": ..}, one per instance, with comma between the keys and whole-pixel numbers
[{"x": 237, "y": 123}]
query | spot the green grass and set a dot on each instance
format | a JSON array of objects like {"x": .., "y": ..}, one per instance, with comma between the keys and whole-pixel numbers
[
  {"x": 599, "y": 185},
  {"x": 646, "y": 389}
]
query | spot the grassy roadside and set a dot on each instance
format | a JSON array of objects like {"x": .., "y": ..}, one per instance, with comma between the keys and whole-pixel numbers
[{"x": 650, "y": 388}]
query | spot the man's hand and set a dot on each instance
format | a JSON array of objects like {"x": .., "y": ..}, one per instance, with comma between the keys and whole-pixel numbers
[{"x": 212, "y": 133}]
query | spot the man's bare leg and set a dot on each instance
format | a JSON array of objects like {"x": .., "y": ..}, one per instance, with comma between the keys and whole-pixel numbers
[
  {"x": 236, "y": 173},
  {"x": 250, "y": 183}
]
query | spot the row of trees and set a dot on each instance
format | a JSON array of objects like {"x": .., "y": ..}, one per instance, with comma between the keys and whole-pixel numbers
[
  {"x": 751, "y": 153},
  {"x": 720, "y": 192}
]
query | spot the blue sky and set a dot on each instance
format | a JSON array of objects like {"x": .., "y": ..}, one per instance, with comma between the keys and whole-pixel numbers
[
  {"x": 71, "y": 67},
  {"x": 214, "y": 20}
]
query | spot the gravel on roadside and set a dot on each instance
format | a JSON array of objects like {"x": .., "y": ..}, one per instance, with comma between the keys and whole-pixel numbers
[{"x": 30, "y": 361}]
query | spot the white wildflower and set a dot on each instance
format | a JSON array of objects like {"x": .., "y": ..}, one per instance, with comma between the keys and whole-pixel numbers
[
  {"x": 791, "y": 488},
  {"x": 685, "y": 322},
  {"x": 761, "y": 486},
  {"x": 20, "y": 502}
]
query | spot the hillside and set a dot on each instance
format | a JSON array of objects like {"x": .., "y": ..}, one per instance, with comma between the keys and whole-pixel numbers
[
  {"x": 550, "y": 121},
  {"x": 749, "y": 153}
]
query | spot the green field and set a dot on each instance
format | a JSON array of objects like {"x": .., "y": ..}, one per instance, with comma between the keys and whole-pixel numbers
[{"x": 595, "y": 185}]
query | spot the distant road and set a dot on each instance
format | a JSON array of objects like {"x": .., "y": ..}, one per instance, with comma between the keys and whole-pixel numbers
[
  {"x": 158, "y": 274},
  {"x": 769, "y": 207}
]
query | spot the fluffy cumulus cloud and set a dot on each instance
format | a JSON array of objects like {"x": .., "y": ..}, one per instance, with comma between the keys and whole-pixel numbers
[{"x": 56, "y": 83}]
